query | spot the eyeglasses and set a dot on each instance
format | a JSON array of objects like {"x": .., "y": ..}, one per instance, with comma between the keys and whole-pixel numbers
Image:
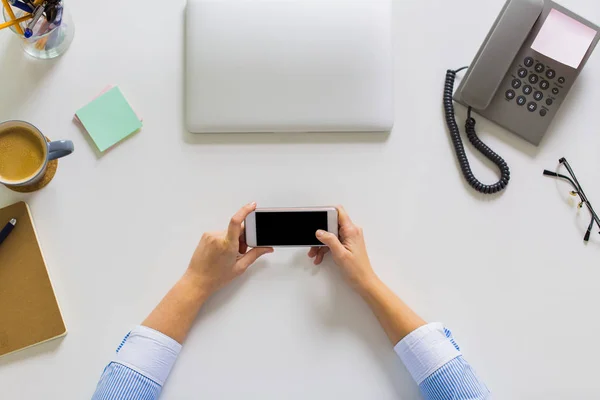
[{"x": 577, "y": 192}]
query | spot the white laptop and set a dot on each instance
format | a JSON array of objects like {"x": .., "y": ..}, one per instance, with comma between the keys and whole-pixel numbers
[{"x": 288, "y": 66}]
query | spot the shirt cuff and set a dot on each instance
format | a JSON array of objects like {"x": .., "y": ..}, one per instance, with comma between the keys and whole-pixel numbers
[
  {"x": 426, "y": 350},
  {"x": 149, "y": 352}
]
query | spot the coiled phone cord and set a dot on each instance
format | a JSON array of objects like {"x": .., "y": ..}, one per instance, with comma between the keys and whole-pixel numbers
[{"x": 475, "y": 141}]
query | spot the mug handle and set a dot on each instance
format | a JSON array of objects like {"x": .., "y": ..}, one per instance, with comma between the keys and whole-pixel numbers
[{"x": 59, "y": 149}]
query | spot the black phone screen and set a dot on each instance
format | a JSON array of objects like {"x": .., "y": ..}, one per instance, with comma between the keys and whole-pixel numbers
[{"x": 289, "y": 228}]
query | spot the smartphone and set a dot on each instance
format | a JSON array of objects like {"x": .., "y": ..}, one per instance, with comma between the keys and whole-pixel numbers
[{"x": 289, "y": 227}]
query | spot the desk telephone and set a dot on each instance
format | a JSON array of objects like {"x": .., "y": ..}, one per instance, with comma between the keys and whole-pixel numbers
[{"x": 520, "y": 76}]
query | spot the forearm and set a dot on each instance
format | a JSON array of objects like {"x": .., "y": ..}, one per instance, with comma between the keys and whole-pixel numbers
[
  {"x": 177, "y": 311},
  {"x": 397, "y": 319},
  {"x": 427, "y": 350},
  {"x": 145, "y": 358},
  {"x": 147, "y": 354}
]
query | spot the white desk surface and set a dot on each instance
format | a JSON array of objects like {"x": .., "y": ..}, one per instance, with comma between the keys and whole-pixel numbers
[{"x": 510, "y": 275}]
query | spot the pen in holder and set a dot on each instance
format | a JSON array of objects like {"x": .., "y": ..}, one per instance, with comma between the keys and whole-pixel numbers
[{"x": 44, "y": 27}]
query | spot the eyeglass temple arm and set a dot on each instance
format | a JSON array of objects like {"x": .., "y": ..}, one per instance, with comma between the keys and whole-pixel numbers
[
  {"x": 594, "y": 218},
  {"x": 554, "y": 174},
  {"x": 586, "y": 238}
]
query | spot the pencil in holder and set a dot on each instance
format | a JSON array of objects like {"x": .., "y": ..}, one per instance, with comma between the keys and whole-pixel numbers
[{"x": 44, "y": 27}]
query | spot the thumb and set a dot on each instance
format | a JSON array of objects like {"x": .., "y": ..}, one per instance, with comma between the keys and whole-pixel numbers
[
  {"x": 331, "y": 241},
  {"x": 250, "y": 257}
]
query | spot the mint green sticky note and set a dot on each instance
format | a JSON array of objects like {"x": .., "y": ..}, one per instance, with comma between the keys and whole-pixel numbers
[{"x": 109, "y": 119}]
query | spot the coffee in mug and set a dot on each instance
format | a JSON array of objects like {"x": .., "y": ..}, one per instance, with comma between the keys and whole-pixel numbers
[{"x": 25, "y": 153}]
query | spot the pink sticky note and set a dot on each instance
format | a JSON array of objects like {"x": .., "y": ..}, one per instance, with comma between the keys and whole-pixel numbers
[{"x": 564, "y": 39}]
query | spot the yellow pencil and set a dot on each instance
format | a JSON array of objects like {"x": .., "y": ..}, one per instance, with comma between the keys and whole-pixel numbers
[
  {"x": 11, "y": 14},
  {"x": 40, "y": 44},
  {"x": 15, "y": 22}
]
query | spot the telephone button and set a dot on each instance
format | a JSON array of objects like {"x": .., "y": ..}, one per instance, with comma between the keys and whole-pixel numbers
[
  {"x": 561, "y": 80},
  {"x": 538, "y": 96},
  {"x": 528, "y": 62},
  {"x": 527, "y": 89},
  {"x": 549, "y": 102},
  {"x": 544, "y": 84},
  {"x": 533, "y": 79},
  {"x": 521, "y": 100},
  {"x": 522, "y": 73},
  {"x": 510, "y": 94},
  {"x": 555, "y": 91},
  {"x": 532, "y": 106},
  {"x": 551, "y": 74},
  {"x": 543, "y": 112},
  {"x": 516, "y": 83},
  {"x": 539, "y": 68}
]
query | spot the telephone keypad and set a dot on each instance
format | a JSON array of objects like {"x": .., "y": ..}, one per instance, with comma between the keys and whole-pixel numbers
[
  {"x": 539, "y": 68},
  {"x": 532, "y": 106},
  {"x": 533, "y": 78}
]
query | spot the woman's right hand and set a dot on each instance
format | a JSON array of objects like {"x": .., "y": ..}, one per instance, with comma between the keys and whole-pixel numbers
[{"x": 349, "y": 252}]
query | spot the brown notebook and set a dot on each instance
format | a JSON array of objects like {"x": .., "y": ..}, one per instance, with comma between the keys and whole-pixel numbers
[{"x": 29, "y": 312}]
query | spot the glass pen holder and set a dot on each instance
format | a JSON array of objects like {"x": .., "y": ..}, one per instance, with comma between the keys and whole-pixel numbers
[{"x": 48, "y": 39}]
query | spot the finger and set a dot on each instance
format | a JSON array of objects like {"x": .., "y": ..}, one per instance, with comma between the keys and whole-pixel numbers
[
  {"x": 321, "y": 255},
  {"x": 250, "y": 257},
  {"x": 235, "y": 225},
  {"x": 343, "y": 217},
  {"x": 313, "y": 251},
  {"x": 331, "y": 241},
  {"x": 243, "y": 246}
]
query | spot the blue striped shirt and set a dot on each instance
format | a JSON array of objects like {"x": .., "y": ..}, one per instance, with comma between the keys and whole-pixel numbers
[{"x": 145, "y": 358}]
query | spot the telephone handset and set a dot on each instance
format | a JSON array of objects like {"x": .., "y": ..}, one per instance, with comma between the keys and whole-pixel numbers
[{"x": 520, "y": 76}]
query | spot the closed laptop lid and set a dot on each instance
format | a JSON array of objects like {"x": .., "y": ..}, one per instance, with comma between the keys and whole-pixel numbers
[{"x": 288, "y": 65}]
